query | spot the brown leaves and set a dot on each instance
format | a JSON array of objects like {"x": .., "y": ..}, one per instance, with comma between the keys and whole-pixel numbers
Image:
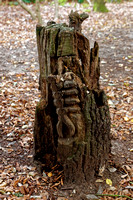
[
  {"x": 119, "y": 99},
  {"x": 19, "y": 183},
  {"x": 17, "y": 117}
]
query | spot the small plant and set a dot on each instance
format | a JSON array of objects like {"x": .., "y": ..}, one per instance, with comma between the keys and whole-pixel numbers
[
  {"x": 18, "y": 194},
  {"x": 29, "y": 1},
  {"x": 62, "y": 2},
  {"x": 85, "y": 5},
  {"x": 13, "y": 3},
  {"x": 87, "y": 10},
  {"x": 114, "y": 1},
  {"x": 99, "y": 7},
  {"x": 80, "y": 1}
]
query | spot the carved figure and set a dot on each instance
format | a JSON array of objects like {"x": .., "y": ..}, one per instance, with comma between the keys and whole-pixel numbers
[
  {"x": 76, "y": 19},
  {"x": 65, "y": 90}
]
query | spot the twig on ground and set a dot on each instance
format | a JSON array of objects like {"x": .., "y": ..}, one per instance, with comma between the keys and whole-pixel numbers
[{"x": 115, "y": 195}]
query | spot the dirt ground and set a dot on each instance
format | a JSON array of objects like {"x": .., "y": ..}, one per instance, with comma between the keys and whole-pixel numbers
[{"x": 19, "y": 63}]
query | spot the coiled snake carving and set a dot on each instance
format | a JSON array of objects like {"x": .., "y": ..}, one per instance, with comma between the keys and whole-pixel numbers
[{"x": 65, "y": 93}]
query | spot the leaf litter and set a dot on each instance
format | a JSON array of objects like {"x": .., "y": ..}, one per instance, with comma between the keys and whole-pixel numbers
[{"x": 19, "y": 95}]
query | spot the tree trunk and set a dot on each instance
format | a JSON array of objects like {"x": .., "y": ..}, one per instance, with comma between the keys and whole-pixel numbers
[
  {"x": 72, "y": 121},
  {"x": 56, "y": 9},
  {"x": 38, "y": 13}
]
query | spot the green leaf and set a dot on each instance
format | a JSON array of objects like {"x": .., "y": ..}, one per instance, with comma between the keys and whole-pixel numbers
[{"x": 18, "y": 194}]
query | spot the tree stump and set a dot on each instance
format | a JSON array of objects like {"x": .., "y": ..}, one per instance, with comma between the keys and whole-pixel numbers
[{"x": 72, "y": 120}]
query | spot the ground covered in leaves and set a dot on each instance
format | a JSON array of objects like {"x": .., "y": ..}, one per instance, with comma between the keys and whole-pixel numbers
[{"x": 19, "y": 94}]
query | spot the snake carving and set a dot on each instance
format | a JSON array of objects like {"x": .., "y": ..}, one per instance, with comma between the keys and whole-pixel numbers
[{"x": 65, "y": 92}]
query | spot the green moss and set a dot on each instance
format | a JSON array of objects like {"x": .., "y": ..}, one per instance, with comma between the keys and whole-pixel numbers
[
  {"x": 66, "y": 43},
  {"x": 53, "y": 41},
  {"x": 100, "y": 7}
]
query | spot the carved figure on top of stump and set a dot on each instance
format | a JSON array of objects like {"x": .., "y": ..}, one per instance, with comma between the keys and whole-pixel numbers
[
  {"x": 76, "y": 19},
  {"x": 72, "y": 122}
]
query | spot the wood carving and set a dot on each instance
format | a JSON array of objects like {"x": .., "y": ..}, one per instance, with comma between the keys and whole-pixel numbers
[
  {"x": 72, "y": 122},
  {"x": 65, "y": 89}
]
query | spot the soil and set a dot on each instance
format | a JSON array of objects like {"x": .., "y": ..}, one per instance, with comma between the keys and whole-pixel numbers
[{"x": 116, "y": 49}]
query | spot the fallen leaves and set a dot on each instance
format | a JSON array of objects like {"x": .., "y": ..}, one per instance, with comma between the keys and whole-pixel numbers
[
  {"x": 109, "y": 182},
  {"x": 120, "y": 103},
  {"x": 20, "y": 182}
]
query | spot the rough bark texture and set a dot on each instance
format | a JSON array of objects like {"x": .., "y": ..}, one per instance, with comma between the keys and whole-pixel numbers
[{"x": 72, "y": 122}]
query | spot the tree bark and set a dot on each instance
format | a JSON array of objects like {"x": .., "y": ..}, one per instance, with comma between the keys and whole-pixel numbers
[
  {"x": 38, "y": 13},
  {"x": 72, "y": 120},
  {"x": 56, "y": 9},
  {"x": 35, "y": 15}
]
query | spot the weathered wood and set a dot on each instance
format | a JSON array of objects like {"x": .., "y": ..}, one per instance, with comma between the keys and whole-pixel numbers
[
  {"x": 75, "y": 20},
  {"x": 72, "y": 122}
]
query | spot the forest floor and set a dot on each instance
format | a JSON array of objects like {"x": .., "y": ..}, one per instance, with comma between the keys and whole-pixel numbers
[{"x": 19, "y": 72}]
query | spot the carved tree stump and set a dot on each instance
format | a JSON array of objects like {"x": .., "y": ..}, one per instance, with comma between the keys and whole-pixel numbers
[{"x": 72, "y": 121}]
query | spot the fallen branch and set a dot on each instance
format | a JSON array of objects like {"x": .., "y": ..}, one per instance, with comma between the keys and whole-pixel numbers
[{"x": 114, "y": 195}]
